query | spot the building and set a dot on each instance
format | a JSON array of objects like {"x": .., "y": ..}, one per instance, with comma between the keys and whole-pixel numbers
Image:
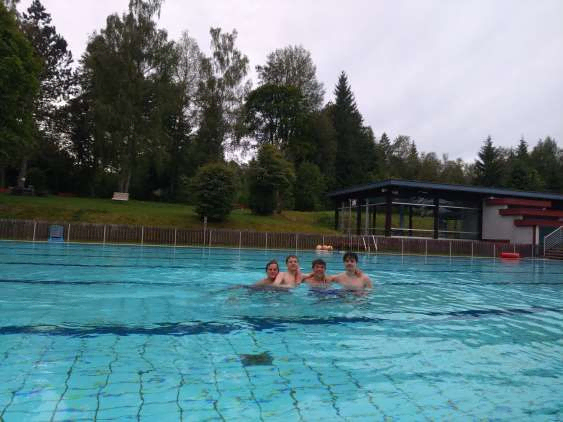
[{"x": 439, "y": 210}]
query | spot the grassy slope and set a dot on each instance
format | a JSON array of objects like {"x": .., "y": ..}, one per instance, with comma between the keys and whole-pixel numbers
[{"x": 90, "y": 210}]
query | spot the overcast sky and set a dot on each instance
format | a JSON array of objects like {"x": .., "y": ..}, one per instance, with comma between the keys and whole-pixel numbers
[{"x": 445, "y": 72}]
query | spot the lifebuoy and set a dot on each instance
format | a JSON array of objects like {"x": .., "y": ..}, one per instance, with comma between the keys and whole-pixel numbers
[{"x": 510, "y": 255}]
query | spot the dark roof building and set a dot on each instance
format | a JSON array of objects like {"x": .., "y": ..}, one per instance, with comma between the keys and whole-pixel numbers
[{"x": 440, "y": 210}]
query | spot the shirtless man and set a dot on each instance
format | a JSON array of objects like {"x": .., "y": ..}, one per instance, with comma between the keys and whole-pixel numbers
[
  {"x": 272, "y": 270},
  {"x": 292, "y": 277},
  {"x": 318, "y": 278},
  {"x": 352, "y": 279}
]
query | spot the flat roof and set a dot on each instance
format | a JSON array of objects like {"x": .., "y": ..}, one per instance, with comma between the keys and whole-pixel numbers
[{"x": 444, "y": 188}]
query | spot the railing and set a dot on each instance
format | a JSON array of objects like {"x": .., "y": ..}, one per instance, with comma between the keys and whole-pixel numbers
[
  {"x": 205, "y": 237},
  {"x": 553, "y": 240}
]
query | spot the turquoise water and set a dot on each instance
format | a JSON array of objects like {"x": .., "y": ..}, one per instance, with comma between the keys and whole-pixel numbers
[{"x": 117, "y": 333}]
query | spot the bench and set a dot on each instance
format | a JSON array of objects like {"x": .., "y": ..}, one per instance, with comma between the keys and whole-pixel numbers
[{"x": 120, "y": 196}]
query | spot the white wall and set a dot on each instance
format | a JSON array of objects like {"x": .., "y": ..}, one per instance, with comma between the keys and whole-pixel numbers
[{"x": 498, "y": 227}]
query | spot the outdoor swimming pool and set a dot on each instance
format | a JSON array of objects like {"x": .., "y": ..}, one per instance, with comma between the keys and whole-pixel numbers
[{"x": 91, "y": 332}]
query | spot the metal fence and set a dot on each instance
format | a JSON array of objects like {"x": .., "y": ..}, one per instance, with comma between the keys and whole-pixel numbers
[{"x": 113, "y": 233}]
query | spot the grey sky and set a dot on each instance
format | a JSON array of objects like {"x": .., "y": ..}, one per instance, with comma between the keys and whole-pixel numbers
[{"x": 445, "y": 72}]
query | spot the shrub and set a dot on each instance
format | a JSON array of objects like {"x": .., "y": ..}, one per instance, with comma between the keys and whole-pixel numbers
[{"x": 214, "y": 191}]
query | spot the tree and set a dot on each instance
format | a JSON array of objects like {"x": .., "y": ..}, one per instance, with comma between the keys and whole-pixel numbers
[
  {"x": 547, "y": 159},
  {"x": 129, "y": 68},
  {"x": 488, "y": 167},
  {"x": 55, "y": 79},
  {"x": 274, "y": 115},
  {"x": 270, "y": 177},
  {"x": 521, "y": 175},
  {"x": 293, "y": 66},
  {"x": 430, "y": 167},
  {"x": 19, "y": 84},
  {"x": 453, "y": 171},
  {"x": 355, "y": 143},
  {"x": 182, "y": 124},
  {"x": 214, "y": 191},
  {"x": 220, "y": 95},
  {"x": 309, "y": 187}
]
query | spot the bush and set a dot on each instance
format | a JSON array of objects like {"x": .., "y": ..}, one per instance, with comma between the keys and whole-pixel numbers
[
  {"x": 270, "y": 182},
  {"x": 214, "y": 191}
]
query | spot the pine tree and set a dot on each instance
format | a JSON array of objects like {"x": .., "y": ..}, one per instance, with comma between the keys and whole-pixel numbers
[
  {"x": 355, "y": 143},
  {"x": 488, "y": 167}
]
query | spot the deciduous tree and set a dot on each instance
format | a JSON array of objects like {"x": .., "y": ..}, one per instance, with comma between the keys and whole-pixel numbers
[
  {"x": 293, "y": 66},
  {"x": 19, "y": 84}
]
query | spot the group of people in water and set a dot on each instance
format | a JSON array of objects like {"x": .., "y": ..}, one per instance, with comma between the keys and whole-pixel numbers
[{"x": 351, "y": 279}]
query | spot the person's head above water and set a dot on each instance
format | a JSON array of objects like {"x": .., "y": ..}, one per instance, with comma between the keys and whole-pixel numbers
[
  {"x": 292, "y": 263},
  {"x": 350, "y": 255},
  {"x": 350, "y": 260},
  {"x": 319, "y": 268},
  {"x": 272, "y": 269},
  {"x": 318, "y": 262}
]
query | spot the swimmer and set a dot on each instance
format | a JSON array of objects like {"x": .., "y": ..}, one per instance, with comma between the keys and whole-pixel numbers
[
  {"x": 352, "y": 279},
  {"x": 318, "y": 278},
  {"x": 272, "y": 270},
  {"x": 292, "y": 277}
]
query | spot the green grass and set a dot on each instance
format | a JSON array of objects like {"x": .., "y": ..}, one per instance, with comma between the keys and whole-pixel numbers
[{"x": 156, "y": 214}]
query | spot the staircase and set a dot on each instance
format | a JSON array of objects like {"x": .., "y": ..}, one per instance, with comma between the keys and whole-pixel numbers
[{"x": 553, "y": 244}]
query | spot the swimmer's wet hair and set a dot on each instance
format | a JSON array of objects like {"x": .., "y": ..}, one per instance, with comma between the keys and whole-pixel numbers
[
  {"x": 273, "y": 261},
  {"x": 350, "y": 255},
  {"x": 291, "y": 256},
  {"x": 318, "y": 262}
]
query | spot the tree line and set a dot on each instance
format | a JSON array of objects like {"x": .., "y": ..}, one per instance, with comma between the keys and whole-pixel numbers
[{"x": 162, "y": 120}]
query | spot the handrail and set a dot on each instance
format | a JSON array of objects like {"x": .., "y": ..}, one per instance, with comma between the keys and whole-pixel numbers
[
  {"x": 553, "y": 239},
  {"x": 366, "y": 247},
  {"x": 374, "y": 242}
]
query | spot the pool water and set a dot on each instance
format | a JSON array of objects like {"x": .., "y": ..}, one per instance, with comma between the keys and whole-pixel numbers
[{"x": 117, "y": 333}]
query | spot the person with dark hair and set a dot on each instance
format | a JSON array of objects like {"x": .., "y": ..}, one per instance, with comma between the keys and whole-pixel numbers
[
  {"x": 292, "y": 277},
  {"x": 352, "y": 278},
  {"x": 272, "y": 270},
  {"x": 318, "y": 277}
]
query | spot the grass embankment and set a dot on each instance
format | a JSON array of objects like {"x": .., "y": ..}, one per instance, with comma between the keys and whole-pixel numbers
[{"x": 155, "y": 214}]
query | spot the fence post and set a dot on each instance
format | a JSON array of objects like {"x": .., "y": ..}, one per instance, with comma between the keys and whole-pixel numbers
[
  {"x": 450, "y": 248},
  {"x": 175, "y": 236},
  {"x": 68, "y": 233},
  {"x": 34, "y": 227},
  {"x": 426, "y": 248},
  {"x": 296, "y": 237},
  {"x": 266, "y": 247},
  {"x": 402, "y": 246},
  {"x": 494, "y": 251},
  {"x": 239, "y": 239},
  {"x": 142, "y": 234},
  {"x": 472, "y": 243}
]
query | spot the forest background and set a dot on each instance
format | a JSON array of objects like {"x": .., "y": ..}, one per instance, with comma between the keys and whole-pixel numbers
[{"x": 159, "y": 119}]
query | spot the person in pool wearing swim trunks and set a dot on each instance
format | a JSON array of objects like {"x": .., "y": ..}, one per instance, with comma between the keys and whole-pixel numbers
[
  {"x": 292, "y": 277},
  {"x": 352, "y": 279},
  {"x": 318, "y": 278}
]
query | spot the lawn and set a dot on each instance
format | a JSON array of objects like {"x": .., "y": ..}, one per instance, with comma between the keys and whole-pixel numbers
[{"x": 156, "y": 214}]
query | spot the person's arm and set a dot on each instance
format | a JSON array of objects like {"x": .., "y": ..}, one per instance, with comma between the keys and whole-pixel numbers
[
  {"x": 332, "y": 278},
  {"x": 336, "y": 278},
  {"x": 262, "y": 282},
  {"x": 279, "y": 279},
  {"x": 367, "y": 282}
]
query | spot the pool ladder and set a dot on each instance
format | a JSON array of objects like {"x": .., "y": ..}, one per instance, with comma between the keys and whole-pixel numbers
[{"x": 367, "y": 245}]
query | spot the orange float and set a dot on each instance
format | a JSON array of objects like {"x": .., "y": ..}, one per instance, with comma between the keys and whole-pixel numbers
[{"x": 510, "y": 255}]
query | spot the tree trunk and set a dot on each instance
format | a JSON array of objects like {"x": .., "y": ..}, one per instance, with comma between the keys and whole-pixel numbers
[{"x": 22, "y": 174}]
